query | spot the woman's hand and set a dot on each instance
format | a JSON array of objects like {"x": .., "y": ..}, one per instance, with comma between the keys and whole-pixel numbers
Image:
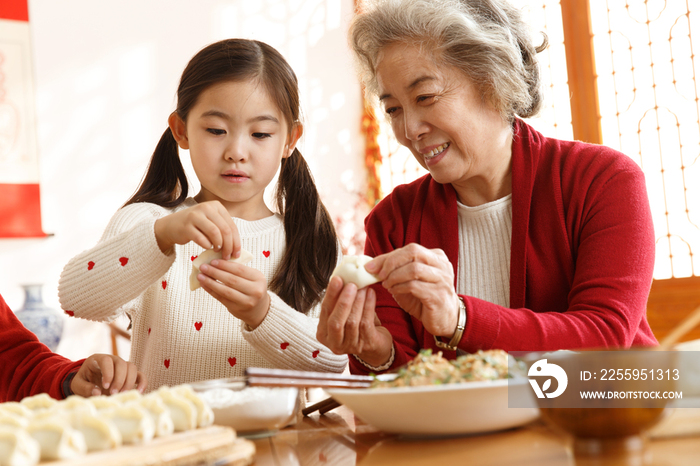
[
  {"x": 349, "y": 325},
  {"x": 421, "y": 281},
  {"x": 208, "y": 224},
  {"x": 105, "y": 374},
  {"x": 242, "y": 289}
]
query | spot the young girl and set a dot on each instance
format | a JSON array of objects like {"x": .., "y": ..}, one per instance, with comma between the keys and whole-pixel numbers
[{"x": 238, "y": 114}]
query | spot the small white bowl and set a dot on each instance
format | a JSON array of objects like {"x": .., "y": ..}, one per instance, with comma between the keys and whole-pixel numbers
[{"x": 249, "y": 410}]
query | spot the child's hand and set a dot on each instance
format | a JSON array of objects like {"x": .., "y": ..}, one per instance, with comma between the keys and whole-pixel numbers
[
  {"x": 105, "y": 374},
  {"x": 208, "y": 224},
  {"x": 242, "y": 289}
]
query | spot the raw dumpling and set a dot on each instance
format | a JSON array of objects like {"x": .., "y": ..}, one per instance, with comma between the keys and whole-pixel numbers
[
  {"x": 125, "y": 397},
  {"x": 18, "y": 448},
  {"x": 40, "y": 401},
  {"x": 352, "y": 270},
  {"x": 99, "y": 433},
  {"x": 57, "y": 440},
  {"x": 208, "y": 256},
  {"x": 205, "y": 416},
  {"x": 17, "y": 408},
  {"x": 159, "y": 413},
  {"x": 76, "y": 404},
  {"x": 50, "y": 414},
  {"x": 104, "y": 402},
  {"x": 133, "y": 422},
  {"x": 8, "y": 419},
  {"x": 182, "y": 411}
]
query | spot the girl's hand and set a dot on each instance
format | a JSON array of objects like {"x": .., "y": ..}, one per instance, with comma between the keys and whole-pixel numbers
[
  {"x": 349, "y": 325},
  {"x": 421, "y": 281},
  {"x": 242, "y": 289},
  {"x": 208, "y": 224},
  {"x": 105, "y": 374}
]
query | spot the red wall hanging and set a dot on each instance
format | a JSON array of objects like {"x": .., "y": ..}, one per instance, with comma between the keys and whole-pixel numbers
[{"x": 20, "y": 208}]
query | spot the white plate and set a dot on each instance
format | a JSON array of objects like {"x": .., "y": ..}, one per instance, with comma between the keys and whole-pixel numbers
[{"x": 439, "y": 410}]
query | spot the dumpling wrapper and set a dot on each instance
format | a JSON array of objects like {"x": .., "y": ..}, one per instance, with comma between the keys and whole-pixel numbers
[
  {"x": 182, "y": 411},
  {"x": 99, "y": 433},
  {"x": 133, "y": 422},
  {"x": 18, "y": 448},
  {"x": 14, "y": 407},
  {"x": 40, "y": 401},
  {"x": 159, "y": 413},
  {"x": 352, "y": 270},
  {"x": 76, "y": 404},
  {"x": 57, "y": 440},
  {"x": 205, "y": 416},
  {"x": 8, "y": 419},
  {"x": 208, "y": 256},
  {"x": 62, "y": 415},
  {"x": 127, "y": 396},
  {"x": 103, "y": 402}
]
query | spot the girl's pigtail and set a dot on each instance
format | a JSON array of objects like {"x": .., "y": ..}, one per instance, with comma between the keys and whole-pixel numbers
[
  {"x": 312, "y": 243},
  {"x": 165, "y": 182}
]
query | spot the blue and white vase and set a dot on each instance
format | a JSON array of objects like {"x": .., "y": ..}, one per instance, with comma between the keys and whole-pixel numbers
[{"x": 45, "y": 322}]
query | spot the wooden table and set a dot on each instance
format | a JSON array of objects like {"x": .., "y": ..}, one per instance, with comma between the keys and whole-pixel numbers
[{"x": 338, "y": 438}]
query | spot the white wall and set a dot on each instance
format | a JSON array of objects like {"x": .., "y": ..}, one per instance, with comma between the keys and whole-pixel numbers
[{"x": 106, "y": 74}]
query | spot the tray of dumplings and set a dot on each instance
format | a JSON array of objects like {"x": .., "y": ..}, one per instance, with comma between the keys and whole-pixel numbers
[{"x": 169, "y": 426}]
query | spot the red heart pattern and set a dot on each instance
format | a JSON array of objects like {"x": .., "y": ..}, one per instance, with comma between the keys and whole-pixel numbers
[
  {"x": 197, "y": 325},
  {"x": 70, "y": 313}
]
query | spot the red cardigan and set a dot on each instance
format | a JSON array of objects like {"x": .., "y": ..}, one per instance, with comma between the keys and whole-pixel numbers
[
  {"x": 28, "y": 366},
  {"x": 582, "y": 252}
]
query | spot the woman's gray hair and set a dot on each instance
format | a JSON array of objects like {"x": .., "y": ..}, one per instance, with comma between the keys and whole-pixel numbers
[{"x": 486, "y": 39}]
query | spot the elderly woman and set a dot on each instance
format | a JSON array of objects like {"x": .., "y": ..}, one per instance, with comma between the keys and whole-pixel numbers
[{"x": 513, "y": 240}]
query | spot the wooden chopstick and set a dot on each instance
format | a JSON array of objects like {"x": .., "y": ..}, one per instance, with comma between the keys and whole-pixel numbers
[
  {"x": 264, "y": 377},
  {"x": 303, "y": 382},
  {"x": 322, "y": 406},
  {"x": 332, "y": 404},
  {"x": 264, "y": 372}
]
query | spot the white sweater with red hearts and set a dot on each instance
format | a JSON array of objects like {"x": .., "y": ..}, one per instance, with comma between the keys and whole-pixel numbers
[{"x": 178, "y": 335}]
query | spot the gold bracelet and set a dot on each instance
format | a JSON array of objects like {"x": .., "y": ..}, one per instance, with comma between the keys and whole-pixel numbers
[{"x": 459, "y": 331}]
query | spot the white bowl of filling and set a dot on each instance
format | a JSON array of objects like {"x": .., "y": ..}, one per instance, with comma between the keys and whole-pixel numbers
[
  {"x": 434, "y": 397},
  {"x": 249, "y": 410}
]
